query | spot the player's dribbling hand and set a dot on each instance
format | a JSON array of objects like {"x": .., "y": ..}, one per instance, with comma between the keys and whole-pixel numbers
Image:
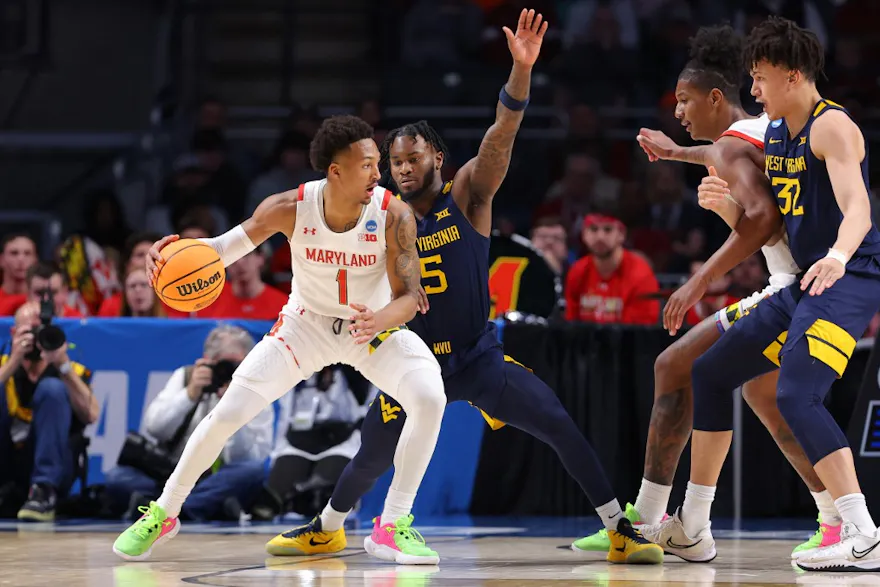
[
  {"x": 525, "y": 45},
  {"x": 154, "y": 258},
  {"x": 424, "y": 306},
  {"x": 824, "y": 273},
  {"x": 713, "y": 192},
  {"x": 363, "y": 327},
  {"x": 656, "y": 145}
]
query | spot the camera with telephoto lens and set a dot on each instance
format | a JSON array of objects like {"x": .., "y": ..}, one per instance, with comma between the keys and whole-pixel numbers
[
  {"x": 221, "y": 374},
  {"x": 47, "y": 336}
]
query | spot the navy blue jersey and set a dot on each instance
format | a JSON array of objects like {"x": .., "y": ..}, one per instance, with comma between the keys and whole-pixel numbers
[
  {"x": 806, "y": 200},
  {"x": 455, "y": 274}
]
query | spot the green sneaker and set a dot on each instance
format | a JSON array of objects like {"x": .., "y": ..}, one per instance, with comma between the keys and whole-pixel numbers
[
  {"x": 152, "y": 529},
  {"x": 400, "y": 543},
  {"x": 825, "y": 536},
  {"x": 599, "y": 541}
]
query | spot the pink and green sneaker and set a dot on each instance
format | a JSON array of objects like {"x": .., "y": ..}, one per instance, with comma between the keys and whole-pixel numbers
[
  {"x": 825, "y": 536},
  {"x": 599, "y": 541},
  {"x": 152, "y": 529},
  {"x": 399, "y": 543}
]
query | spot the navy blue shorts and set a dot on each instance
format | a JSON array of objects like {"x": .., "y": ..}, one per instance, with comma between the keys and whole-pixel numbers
[{"x": 832, "y": 322}]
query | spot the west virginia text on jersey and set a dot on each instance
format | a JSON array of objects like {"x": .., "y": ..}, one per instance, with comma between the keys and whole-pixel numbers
[{"x": 806, "y": 200}]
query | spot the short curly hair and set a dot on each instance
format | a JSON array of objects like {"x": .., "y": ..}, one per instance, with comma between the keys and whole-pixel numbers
[
  {"x": 782, "y": 43},
  {"x": 335, "y": 135}
]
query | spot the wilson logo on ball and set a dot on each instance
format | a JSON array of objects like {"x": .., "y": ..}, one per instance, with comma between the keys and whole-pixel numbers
[{"x": 188, "y": 289}]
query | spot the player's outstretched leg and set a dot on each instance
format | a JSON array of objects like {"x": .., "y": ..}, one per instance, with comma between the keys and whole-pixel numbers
[
  {"x": 265, "y": 375},
  {"x": 529, "y": 404},
  {"x": 669, "y": 431},
  {"x": 760, "y": 395},
  {"x": 325, "y": 534}
]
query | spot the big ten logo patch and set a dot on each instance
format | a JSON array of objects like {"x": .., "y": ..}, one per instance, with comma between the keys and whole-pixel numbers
[
  {"x": 871, "y": 436},
  {"x": 367, "y": 237},
  {"x": 122, "y": 406}
]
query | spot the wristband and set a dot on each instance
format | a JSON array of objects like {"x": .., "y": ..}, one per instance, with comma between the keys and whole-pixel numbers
[
  {"x": 510, "y": 102},
  {"x": 835, "y": 254}
]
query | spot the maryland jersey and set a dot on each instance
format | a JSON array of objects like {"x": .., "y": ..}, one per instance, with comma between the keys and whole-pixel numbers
[
  {"x": 455, "y": 275},
  {"x": 806, "y": 200},
  {"x": 780, "y": 263},
  {"x": 331, "y": 269}
]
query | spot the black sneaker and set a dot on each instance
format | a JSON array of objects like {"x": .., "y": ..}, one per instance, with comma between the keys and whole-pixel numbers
[{"x": 40, "y": 504}]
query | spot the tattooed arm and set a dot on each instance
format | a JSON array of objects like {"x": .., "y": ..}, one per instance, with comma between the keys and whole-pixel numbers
[
  {"x": 479, "y": 179},
  {"x": 403, "y": 267}
]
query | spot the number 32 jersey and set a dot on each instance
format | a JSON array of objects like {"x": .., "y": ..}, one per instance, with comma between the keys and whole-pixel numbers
[
  {"x": 806, "y": 199},
  {"x": 334, "y": 269}
]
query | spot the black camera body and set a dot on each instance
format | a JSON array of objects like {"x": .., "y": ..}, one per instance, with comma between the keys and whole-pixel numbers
[
  {"x": 221, "y": 374},
  {"x": 47, "y": 336}
]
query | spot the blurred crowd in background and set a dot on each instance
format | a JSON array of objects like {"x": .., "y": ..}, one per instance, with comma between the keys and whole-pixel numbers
[{"x": 607, "y": 69}]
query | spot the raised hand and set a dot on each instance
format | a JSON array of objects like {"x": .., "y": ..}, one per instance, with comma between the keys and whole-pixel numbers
[{"x": 525, "y": 45}]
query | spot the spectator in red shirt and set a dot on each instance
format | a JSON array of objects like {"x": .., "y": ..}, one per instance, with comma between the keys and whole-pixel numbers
[
  {"x": 45, "y": 276},
  {"x": 611, "y": 284},
  {"x": 134, "y": 255},
  {"x": 18, "y": 252},
  {"x": 245, "y": 295},
  {"x": 138, "y": 297}
]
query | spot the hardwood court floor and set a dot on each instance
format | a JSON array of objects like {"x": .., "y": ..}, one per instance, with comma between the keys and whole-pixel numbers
[{"x": 80, "y": 555}]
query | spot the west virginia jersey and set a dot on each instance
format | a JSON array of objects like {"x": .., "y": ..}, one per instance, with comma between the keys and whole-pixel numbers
[
  {"x": 806, "y": 200},
  {"x": 455, "y": 274}
]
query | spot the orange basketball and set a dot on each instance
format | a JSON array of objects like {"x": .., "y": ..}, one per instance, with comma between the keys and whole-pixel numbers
[{"x": 192, "y": 276}]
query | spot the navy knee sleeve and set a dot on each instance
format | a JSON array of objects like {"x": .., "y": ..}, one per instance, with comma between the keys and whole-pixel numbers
[
  {"x": 713, "y": 396},
  {"x": 380, "y": 432},
  {"x": 803, "y": 384}
]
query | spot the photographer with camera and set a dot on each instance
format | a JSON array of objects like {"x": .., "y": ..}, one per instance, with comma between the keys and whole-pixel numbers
[
  {"x": 46, "y": 403},
  {"x": 46, "y": 279},
  {"x": 188, "y": 397}
]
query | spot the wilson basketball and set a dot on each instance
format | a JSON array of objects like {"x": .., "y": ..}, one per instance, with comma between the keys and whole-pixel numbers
[{"x": 192, "y": 276}]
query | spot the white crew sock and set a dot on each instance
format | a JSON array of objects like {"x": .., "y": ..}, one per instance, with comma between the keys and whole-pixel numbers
[
  {"x": 331, "y": 520},
  {"x": 397, "y": 505},
  {"x": 610, "y": 514},
  {"x": 853, "y": 509},
  {"x": 652, "y": 501},
  {"x": 827, "y": 511},
  {"x": 697, "y": 507}
]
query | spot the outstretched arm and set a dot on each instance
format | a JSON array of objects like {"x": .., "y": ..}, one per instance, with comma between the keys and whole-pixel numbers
[
  {"x": 657, "y": 145},
  {"x": 274, "y": 214},
  {"x": 837, "y": 140},
  {"x": 479, "y": 179}
]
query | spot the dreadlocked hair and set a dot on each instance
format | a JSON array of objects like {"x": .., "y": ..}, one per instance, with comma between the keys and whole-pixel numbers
[
  {"x": 420, "y": 128},
  {"x": 782, "y": 43},
  {"x": 334, "y": 136},
  {"x": 716, "y": 61}
]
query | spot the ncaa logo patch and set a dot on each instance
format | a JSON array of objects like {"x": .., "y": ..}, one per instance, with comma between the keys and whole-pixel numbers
[
  {"x": 776, "y": 123},
  {"x": 371, "y": 226}
]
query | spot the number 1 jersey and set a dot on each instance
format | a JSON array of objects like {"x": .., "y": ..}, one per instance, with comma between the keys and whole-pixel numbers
[{"x": 334, "y": 269}]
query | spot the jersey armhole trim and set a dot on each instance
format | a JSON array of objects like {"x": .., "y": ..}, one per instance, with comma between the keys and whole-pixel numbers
[
  {"x": 301, "y": 192},
  {"x": 386, "y": 199},
  {"x": 743, "y": 136}
]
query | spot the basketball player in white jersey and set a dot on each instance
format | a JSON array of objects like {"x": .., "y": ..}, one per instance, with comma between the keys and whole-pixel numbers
[
  {"x": 708, "y": 106},
  {"x": 355, "y": 284}
]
